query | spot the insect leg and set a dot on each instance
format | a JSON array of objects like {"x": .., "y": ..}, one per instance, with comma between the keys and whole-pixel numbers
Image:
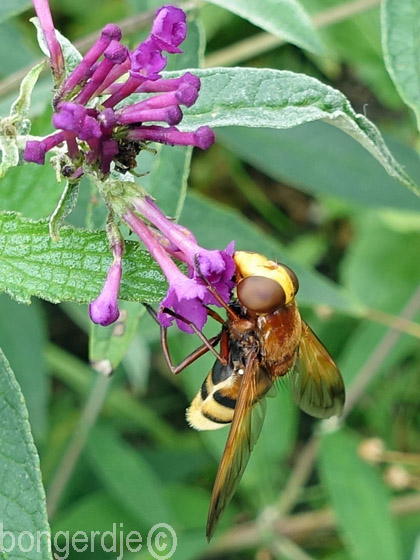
[
  {"x": 190, "y": 358},
  {"x": 214, "y": 292},
  {"x": 208, "y": 344},
  {"x": 200, "y": 335},
  {"x": 215, "y": 315}
]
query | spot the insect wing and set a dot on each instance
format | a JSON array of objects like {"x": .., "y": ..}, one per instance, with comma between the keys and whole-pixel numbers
[
  {"x": 244, "y": 432},
  {"x": 317, "y": 384}
]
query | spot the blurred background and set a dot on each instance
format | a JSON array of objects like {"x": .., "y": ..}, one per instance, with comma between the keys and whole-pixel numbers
[{"x": 118, "y": 450}]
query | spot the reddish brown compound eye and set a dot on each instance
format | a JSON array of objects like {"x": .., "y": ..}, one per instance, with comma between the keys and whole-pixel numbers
[{"x": 260, "y": 294}]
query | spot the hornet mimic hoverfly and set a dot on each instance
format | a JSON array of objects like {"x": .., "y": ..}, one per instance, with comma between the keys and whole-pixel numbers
[{"x": 263, "y": 338}]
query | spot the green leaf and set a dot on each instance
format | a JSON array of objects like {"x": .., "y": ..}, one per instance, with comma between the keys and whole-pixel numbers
[
  {"x": 20, "y": 107},
  {"x": 138, "y": 491},
  {"x": 108, "y": 345},
  {"x": 13, "y": 33},
  {"x": 361, "y": 345},
  {"x": 401, "y": 221},
  {"x": 41, "y": 97},
  {"x": 380, "y": 258},
  {"x": 95, "y": 512},
  {"x": 17, "y": 122},
  {"x": 30, "y": 189},
  {"x": 400, "y": 39},
  {"x": 168, "y": 179},
  {"x": 299, "y": 157},
  {"x": 119, "y": 404},
  {"x": 281, "y": 99},
  {"x": 23, "y": 336},
  {"x": 189, "y": 503},
  {"x": 359, "y": 498},
  {"x": 137, "y": 364},
  {"x": 284, "y": 18},
  {"x": 10, "y": 8},
  {"x": 22, "y": 497},
  {"x": 71, "y": 269},
  {"x": 71, "y": 55},
  {"x": 356, "y": 42}
]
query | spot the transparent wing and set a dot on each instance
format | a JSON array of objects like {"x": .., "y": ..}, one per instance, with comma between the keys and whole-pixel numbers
[
  {"x": 317, "y": 384},
  {"x": 244, "y": 432}
]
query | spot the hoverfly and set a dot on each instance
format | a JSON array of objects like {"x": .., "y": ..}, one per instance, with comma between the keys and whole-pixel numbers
[{"x": 264, "y": 338}]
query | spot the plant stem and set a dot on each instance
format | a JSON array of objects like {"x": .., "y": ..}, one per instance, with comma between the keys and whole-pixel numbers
[
  {"x": 396, "y": 322},
  {"x": 378, "y": 356},
  {"x": 298, "y": 477},
  {"x": 90, "y": 413},
  {"x": 288, "y": 550},
  {"x": 301, "y": 525},
  {"x": 79, "y": 376},
  {"x": 263, "y": 42},
  {"x": 401, "y": 457}
]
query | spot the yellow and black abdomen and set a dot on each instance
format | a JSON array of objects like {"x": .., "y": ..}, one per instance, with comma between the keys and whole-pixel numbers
[{"x": 214, "y": 405}]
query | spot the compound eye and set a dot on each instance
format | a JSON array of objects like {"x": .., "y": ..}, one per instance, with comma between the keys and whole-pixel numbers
[{"x": 260, "y": 294}]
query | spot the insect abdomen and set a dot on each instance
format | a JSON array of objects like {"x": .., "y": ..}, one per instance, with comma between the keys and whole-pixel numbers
[{"x": 214, "y": 404}]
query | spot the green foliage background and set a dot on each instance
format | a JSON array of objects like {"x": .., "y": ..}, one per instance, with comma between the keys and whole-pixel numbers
[{"x": 282, "y": 181}]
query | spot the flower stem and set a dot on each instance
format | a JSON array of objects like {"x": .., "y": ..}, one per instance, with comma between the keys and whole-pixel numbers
[
  {"x": 263, "y": 42},
  {"x": 87, "y": 420}
]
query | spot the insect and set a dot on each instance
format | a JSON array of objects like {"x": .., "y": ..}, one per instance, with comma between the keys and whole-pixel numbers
[
  {"x": 263, "y": 339},
  {"x": 126, "y": 156}
]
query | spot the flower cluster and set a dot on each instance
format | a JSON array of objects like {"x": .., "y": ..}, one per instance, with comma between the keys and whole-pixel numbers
[
  {"x": 188, "y": 295},
  {"x": 89, "y": 117},
  {"x": 99, "y": 131}
]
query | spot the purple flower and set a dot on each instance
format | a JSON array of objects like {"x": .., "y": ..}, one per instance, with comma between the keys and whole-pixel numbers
[
  {"x": 98, "y": 133},
  {"x": 169, "y": 28},
  {"x": 171, "y": 115},
  {"x": 115, "y": 54},
  {"x": 187, "y": 294},
  {"x": 110, "y": 32},
  {"x": 88, "y": 115},
  {"x": 104, "y": 309},
  {"x": 43, "y": 12},
  {"x": 183, "y": 300},
  {"x": 147, "y": 61},
  {"x": 75, "y": 118},
  {"x": 35, "y": 150},
  {"x": 221, "y": 279},
  {"x": 216, "y": 266},
  {"x": 180, "y": 293},
  {"x": 202, "y": 138}
]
